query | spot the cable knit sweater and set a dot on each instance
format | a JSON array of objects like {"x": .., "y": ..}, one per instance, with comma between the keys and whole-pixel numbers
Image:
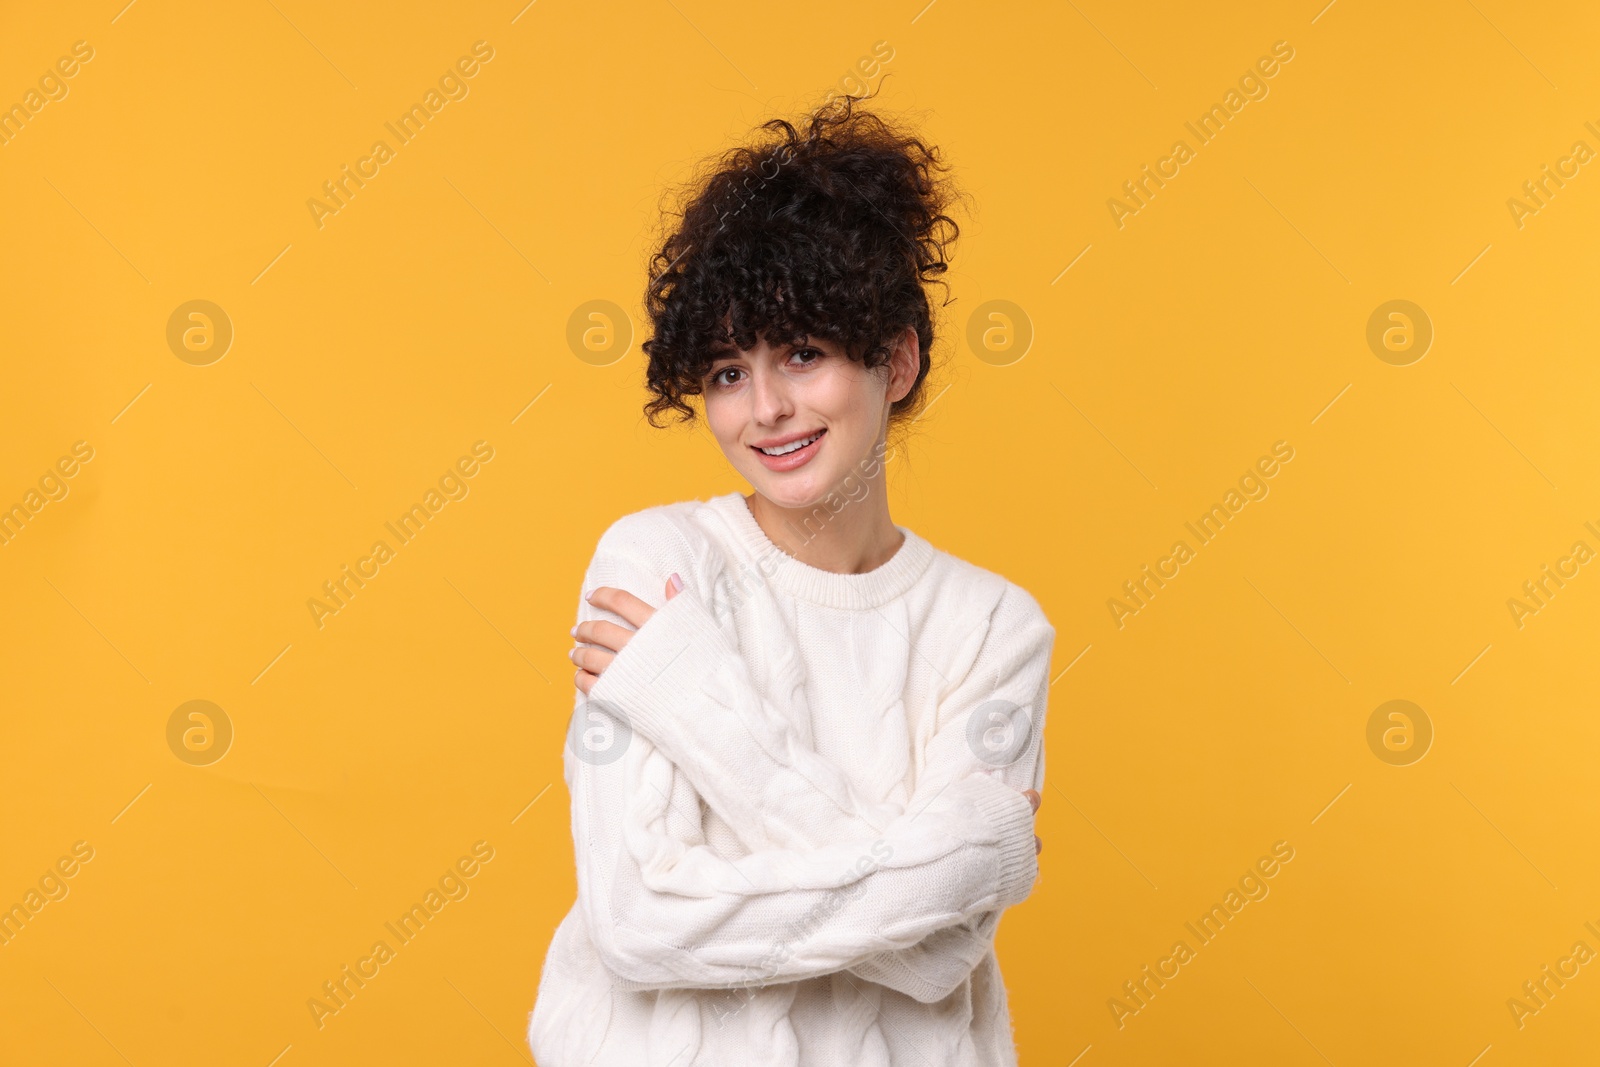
[{"x": 796, "y": 807}]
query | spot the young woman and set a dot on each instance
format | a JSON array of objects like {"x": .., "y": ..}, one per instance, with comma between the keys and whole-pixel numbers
[{"x": 807, "y": 745}]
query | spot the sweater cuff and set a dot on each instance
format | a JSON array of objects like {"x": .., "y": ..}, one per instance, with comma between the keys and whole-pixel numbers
[
  {"x": 671, "y": 655},
  {"x": 1010, "y": 816}
]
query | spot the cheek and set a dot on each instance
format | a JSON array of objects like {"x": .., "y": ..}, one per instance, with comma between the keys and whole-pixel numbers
[
  {"x": 724, "y": 422},
  {"x": 727, "y": 423},
  {"x": 849, "y": 393},
  {"x": 851, "y": 402}
]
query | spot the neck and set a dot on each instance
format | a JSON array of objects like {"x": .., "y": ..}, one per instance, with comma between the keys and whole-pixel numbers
[{"x": 856, "y": 538}]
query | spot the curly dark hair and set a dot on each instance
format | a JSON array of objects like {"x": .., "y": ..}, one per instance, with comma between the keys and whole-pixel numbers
[{"x": 830, "y": 232}]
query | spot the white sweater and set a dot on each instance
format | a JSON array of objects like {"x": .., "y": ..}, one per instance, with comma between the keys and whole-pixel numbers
[{"x": 796, "y": 807}]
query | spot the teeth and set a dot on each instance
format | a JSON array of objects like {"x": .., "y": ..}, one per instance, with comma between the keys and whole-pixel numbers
[{"x": 782, "y": 450}]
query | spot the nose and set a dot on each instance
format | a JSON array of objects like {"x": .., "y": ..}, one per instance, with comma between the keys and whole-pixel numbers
[{"x": 769, "y": 397}]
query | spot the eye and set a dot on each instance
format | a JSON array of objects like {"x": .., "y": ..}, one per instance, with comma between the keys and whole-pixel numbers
[
  {"x": 716, "y": 379},
  {"x": 816, "y": 353}
]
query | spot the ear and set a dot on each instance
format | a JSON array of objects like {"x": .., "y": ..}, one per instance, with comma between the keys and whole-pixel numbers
[{"x": 904, "y": 364}]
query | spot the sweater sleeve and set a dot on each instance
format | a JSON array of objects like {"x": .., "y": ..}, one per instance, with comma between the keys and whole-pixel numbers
[
  {"x": 681, "y": 683},
  {"x": 993, "y": 723},
  {"x": 664, "y": 909}
]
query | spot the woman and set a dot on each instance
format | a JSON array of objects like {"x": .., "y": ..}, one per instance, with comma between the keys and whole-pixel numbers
[{"x": 807, "y": 747}]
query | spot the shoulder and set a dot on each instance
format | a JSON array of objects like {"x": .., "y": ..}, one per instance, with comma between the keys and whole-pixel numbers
[
  {"x": 1012, "y": 615},
  {"x": 991, "y": 635},
  {"x": 956, "y": 577},
  {"x": 665, "y": 537},
  {"x": 642, "y": 529}
]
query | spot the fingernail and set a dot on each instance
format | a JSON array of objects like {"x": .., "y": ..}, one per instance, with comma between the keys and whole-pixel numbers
[
  {"x": 677, "y": 583},
  {"x": 574, "y": 631}
]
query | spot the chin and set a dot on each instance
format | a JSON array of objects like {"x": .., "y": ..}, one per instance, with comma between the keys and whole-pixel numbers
[{"x": 794, "y": 492}]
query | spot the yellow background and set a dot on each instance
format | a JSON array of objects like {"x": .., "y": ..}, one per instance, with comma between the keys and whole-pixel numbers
[{"x": 426, "y": 315}]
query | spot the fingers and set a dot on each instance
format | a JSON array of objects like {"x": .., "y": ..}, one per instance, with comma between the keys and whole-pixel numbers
[
  {"x": 622, "y": 603},
  {"x": 592, "y": 660},
  {"x": 603, "y": 633},
  {"x": 1035, "y": 799},
  {"x": 604, "y": 639}
]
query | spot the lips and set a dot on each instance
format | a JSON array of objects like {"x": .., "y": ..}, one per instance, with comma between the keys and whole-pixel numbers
[
  {"x": 788, "y": 444},
  {"x": 797, "y": 456}
]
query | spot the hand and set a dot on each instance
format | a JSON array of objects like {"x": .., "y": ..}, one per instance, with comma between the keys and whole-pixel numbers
[
  {"x": 1035, "y": 800},
  {"x": 606, "y": 636}
]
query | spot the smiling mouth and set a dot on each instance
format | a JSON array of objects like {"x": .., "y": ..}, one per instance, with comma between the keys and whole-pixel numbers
[{"x": 792, "y": 446}]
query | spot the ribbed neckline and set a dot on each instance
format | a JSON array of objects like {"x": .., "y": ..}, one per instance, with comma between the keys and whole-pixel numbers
[{"x": 871, "y": 589}]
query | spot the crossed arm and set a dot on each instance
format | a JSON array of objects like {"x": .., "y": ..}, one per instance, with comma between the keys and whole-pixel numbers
[{"x": 906, "y": 898}]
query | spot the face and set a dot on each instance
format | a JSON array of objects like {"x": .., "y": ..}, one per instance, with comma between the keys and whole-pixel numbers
[{"x": 772, "y": 397}]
